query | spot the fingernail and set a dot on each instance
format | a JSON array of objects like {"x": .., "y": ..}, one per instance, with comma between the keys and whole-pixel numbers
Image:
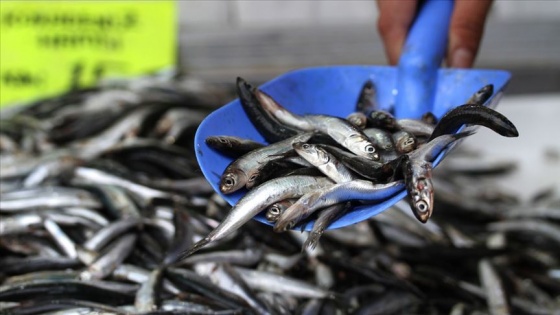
[{"x": 462, "y": 58}]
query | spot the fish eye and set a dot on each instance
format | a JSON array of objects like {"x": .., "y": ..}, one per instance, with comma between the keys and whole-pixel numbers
[
  {"x": 409, "y": 141},
  {"x": 222, "y": 140},
  {"x": 305, "y": 146},
  {"x": 253, "y": 177},
  {"x": 229, "y": 182},
  {"x": 274, "y": 210},
  {"x": 370, "y": 149},
  {"x": 422, "y": 206}
]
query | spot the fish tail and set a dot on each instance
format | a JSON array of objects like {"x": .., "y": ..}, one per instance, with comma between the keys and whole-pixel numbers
[
  {"x": 312, "y": 240},
  {"x": 196, "y": 247}
]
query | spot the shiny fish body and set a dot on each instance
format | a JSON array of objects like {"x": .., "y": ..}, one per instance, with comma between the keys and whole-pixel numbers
[
  {"x": 345, "y": 134},
  {"x": 243, "y": 171},
  {"x": 324, "y": 161},
  {"x": 354, "y": 190},
  {"x": 258, "y": 199}
]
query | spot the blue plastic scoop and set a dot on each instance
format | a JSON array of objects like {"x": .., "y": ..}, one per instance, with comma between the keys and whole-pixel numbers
[{"x": 416, "y": 86}]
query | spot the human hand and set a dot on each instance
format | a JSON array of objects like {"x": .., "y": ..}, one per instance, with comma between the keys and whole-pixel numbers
[{"x": 465, "y": 30}]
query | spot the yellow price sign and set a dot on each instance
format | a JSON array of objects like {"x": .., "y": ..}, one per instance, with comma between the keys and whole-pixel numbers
[{"x": 49, "y": 47}]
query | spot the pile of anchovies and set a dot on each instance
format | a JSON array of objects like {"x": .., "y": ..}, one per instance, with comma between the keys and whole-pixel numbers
[
  {"x": 319, "y": 166},
  {"x": 100, "y": 196}
]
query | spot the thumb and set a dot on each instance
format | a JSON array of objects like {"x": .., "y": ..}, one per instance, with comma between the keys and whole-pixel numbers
[{"x": 465, "y": 33}]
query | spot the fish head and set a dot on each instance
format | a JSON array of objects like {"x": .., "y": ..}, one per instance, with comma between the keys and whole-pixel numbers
[
  {"x": 218, "y": 141},
  {"x": 273, "y": 212},
  {"x": 362, "y": 146},
  {"x": 422, "y": 198},
  {"x": 252, "y": 178},
  {"x": 483, "y": 94},
  {"x": 311, "y": 153},
  {"x": 406, "y": 142},
  {"x": 232, "y": 180},
  {"x": 296, "y": 212},
  {"x": 357, "y": 119},
  {"x": 383, "y": 119}
]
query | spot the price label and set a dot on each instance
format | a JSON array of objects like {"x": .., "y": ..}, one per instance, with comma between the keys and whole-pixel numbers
[{"x": 50, "y": 47}]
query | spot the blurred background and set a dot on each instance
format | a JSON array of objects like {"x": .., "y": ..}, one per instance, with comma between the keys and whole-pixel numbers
[{"x": 259, "y": 40}]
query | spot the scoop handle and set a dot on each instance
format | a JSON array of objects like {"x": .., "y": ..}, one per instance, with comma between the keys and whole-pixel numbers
[{"x": 421, "y": 58}]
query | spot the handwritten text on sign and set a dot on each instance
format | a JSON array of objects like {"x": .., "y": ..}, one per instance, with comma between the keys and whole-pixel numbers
[{"x": 49, "y": 47}]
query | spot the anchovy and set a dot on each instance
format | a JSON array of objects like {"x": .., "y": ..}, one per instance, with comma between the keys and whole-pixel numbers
[
  {"x": 404, "y": 141},
  {"x": 258, "y": 199},
  {"x": 474, "y": 115},
  {"x": 243, "y": 171},
  {"x": 189, "y": 280},
  {"x": 275, "y": 210},
  {"x": 31, "y": 198},
  {"x": 382, "y": 120},
  {"x": 146, "y": 296},
  {"x": 247, "y": 257},
  {"x": 93, "y": 147},
  {"x": 495, "y": 293},
  {"x": 367, "y": 99},
  {"x": 19, "y": 223},
  {"x": 95, "y": 291},
  {"x": 232, "y": 146},
  {"x": 418, "y": 128},
  {"x": 429, "y": 118},
  {"x": 345, "y": 134},
  {"x": 182, "y": 237},
  {"x": 482, "y": 95},
  {"x": 324, "y": 161},
  {"x": 541, "y": 227},
  {"x": 139, "y": 275},
  {"x": 259, "y": 280},
  {"x": 324, "y": 220},
  {"x": 358, "y": 119},
  {"x": 86, "y": 175},
  {"x": 229, "y": 279},
  {"x": 337, "y": 128},
  {"x": 175, "y": 121},
  {"x": 105, "y": 264},
  {"x": 418, "y": 179},
  {"x": 354, "y": 190},
  {"x": 271, "y": 129},
  {"x": 61, "y": 239},
  {"x": 430, "y": 151},
  {"x": 50, "y": 169},
  {"x": 281, "y": 114},
  {"x": 108, "y": 233},
  {"x": 380, "y": 138}
]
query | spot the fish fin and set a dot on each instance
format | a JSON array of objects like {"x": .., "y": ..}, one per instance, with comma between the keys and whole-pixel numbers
[
  {"x": 196, "y": 247},
  {"x": 311, "y": 241},
  {"x": 468, "y": 131}
]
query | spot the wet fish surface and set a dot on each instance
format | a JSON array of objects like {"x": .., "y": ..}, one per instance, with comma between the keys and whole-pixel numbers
[{"x": 104, "y": 235}]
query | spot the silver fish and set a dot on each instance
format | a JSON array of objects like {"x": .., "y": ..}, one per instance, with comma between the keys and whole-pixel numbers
[
  {"x": 325, "y": 218},
  {"x": 345, "y": 134},
  {"x": 357, "y": 119},
  {"x": 106, "y": 263},
  {"x": 275, "y": 210},
  {"x": 495, "y": 293},
  {"x": 353, "y": 190},
  {"x": 324, "y": 161},
  {"x": 259, "y": 280},
  {"x": 416, "y": 127},
  {"x": 258, "y": 199},
  {"x": 146, "y": 296},
  {"x": 243, "y": 171}
]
